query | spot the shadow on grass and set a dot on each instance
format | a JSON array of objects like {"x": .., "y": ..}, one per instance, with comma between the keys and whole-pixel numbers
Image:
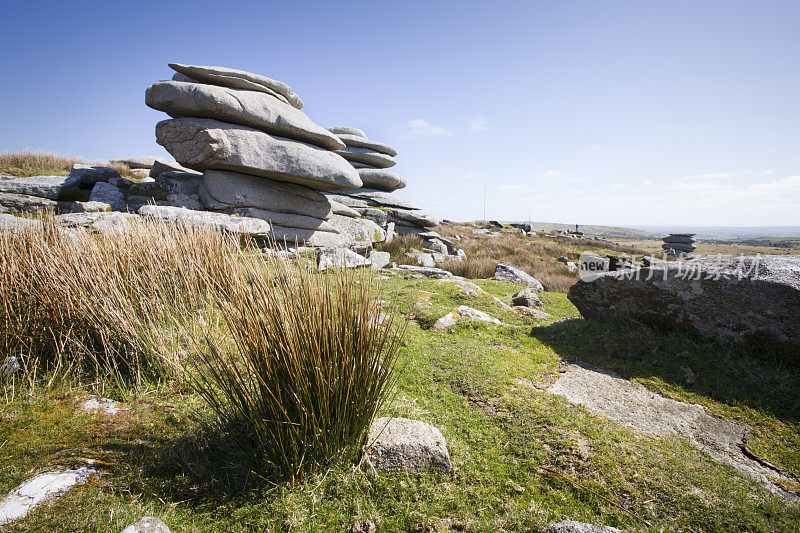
[
  {"x": 731, "y": 373},
  {"x": 203, "y": 467}
]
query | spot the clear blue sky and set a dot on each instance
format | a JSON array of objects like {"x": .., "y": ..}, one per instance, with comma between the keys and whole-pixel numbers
[{"x": 605, "y": 112}]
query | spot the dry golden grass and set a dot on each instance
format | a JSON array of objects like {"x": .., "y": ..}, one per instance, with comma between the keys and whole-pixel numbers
[
  {"x": 105, "y": 306},
  {"x": 26, "y": 164},
  {"x": 400, "y": 246}
]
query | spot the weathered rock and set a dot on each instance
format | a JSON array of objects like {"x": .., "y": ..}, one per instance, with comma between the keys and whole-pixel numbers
[
  {"x": 242, "y": 190},
  {"x": 142, "y": 161},
  {"x": 378, "y": 216},
  {"x": 239, "y": 225},
  {"x": 249, "y": 108},
  {"x": 108, "y": 194},
  {"x": 381, "y": 179},
  {"x": 422, "y": 259},
  {"x": 50, "y": 187},
  {"x": 24, "y": 203},
  {"x": 102, "y": 405},
  {"x": 504, "y": 272},
  {"x": 531, "y": 312},
  {"x": 189, "y": 201},
  {"x": 299, "y": 236},
  {"x": 40, "y": 489},
  {"x": 13, "y": 223},
  {"x": 103, "y": 222},
  {"x": 729, "y": 298},
  {"x": 11, "y": 364},
  {"x": 90, "y": 207},
  {"x": 360, "y": 142},
  {"x": 527, "y": 228},
  {"x": 462, "y": 311},
  {"x": 679, "y": 238},
  {"x": 570, "y": 526},
  {"x": 349, "y": 201},
  {"x": 239, "y": 79},
  {"x": 88, "y": 175},
  {"x": 180, "y": 182},
  {"x": 147, "y": 524},
  {"x": 358, "y": 229},
  {"x": 528, "y": 297},
  {"x": 426, "y": 271},
  {"x": 415, "y": 217},
  {"x": 206, "y": 144},
  {"x": 287, "y": 220},
  {"x": 363, "y": 526},
  {"x": 401, "y": 444},
  {"x": 341, "y": 209},
  {"x": 379, "y": 259},
  {"x": 342, "y": 130},
  {"x": 367, "y": 157},
  {"x": 339, "y": 257},
  {"x": 161, "y": 166},
  {"x": 379, "y": 198},
  {"x": 678, "y": 246}
]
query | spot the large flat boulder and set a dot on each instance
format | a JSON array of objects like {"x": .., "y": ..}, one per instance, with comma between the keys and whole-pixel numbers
[
  {"x": 347, "y": 131},
  {"x": 367, "y": 156},
  {"x": 207, "y": 144},
  {"x": 50, "y": 187},
  {"x": 139, "y": 161},
  {"x": 25, "y": 203},
  {"x": 415, "y": 217},
  {"x": 360, "y": 142},
  {"x": 379, "y": 198},
  {"x": 164, "y": 165},
  {"x": 381, "y": 179},
  {"x": 239, "y": 79},
  {"x": 307, "y": 237},
  {"x": 243, "y": 226},
  {"x": 287, "y": 220},
  {"x": 242, "y": 190},
  {"x": 106, "y": 223},
  {"x": 740, "y": 298},
  {"x": 249, "y": 108}
]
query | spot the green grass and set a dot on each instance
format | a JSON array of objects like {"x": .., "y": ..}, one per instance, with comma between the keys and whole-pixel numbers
[{"x": 474, "y": 383}]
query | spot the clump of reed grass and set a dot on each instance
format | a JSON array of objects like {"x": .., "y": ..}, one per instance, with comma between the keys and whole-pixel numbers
[
  {"x": 80, "y": 304},
  {"x": 27, "y": 163},
  {"x": 312, "y": 363}
]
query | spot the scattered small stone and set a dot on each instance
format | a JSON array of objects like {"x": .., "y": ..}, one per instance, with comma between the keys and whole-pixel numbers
[
  {"x": 462, "y": 311},
  {"x": 147, "y": 524},
  {"x": 533, "y": 313},
  {"x": 406, "y": 445},
  {"x": 39, "y": 489},
  {"x": 570, "y": 526},
  {"x": 104, "y": 405},
  {"x": 363, "y": 526},
  {"x": 527, "y": 297},
  {"x": 9, "y": 367},
  {"x": 515, "y": 486}
]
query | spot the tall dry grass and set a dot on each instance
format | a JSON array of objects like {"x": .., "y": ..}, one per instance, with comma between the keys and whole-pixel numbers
[
  {"x": 313, "y": 362},
  {"x": 106, "y": 306},
  {"x": 25, "y": 164}
]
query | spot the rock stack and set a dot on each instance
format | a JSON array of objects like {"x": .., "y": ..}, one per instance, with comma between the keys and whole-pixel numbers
[
  {"x": 376, "y": 200},
  {"x": 678, "y": 243},
  {"x": 255, "y": 155}
]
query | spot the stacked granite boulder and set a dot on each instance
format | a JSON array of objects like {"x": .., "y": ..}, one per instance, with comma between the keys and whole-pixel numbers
[
  {"x": 376, "y": 200},
  {"x": 678, "y": 243},
  {"x": 252, "y": 153}
]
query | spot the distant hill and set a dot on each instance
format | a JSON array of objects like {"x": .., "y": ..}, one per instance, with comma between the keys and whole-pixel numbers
[
  {"x": 726, "y": 233},
  {"x": 608, "y": 232}
]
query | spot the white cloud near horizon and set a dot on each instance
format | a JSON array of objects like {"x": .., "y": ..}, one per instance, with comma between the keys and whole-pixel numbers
[
  {"x": 477, "y": 123},
  {"x": 422, "y": 128}
]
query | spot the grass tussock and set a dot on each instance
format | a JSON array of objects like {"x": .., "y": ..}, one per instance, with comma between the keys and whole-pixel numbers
[
  {"x": 104, "y": 305},
  {"x": 312, "y": 364},
  {"x": 400, "y": 246},
  {"x": 25, "y": 164}
]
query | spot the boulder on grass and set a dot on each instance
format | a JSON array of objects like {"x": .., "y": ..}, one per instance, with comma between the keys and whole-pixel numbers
[
  {"x": 746, "y": 298},
  {"x": 570, "y": 526},
  {"x": 504, "y": 272},
  {"x": 339, "y": 258},
  {"x": 400, "y": 444},
  {"x": 147, "y": 524},
  {"x": 528, "y": 297},
  {"x": 462, "y": 311}
]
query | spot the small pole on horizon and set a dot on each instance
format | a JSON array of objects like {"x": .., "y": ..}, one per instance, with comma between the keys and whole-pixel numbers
[{"x": 484, "y": 200}]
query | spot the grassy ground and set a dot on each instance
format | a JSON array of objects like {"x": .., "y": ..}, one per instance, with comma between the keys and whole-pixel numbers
[
  {"x": 522, "y": 458},
  {"x": 46, "y": 164},
  {"x": 735, "y": 248}
]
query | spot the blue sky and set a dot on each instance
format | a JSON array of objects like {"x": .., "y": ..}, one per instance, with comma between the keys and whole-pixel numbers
[{"x": 591, "y": 112}]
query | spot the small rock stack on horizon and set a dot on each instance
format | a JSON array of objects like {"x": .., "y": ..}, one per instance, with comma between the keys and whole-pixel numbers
[
  {"x": 679, "y": 242},
  {"x": 259, "y": 155}
]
